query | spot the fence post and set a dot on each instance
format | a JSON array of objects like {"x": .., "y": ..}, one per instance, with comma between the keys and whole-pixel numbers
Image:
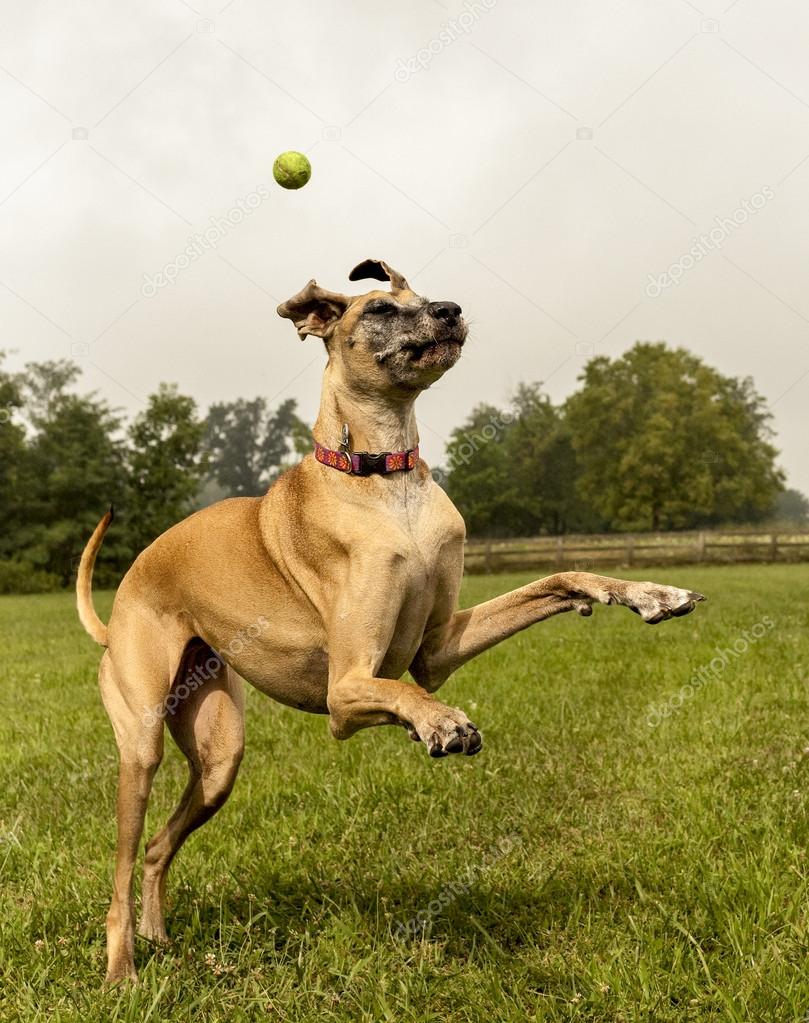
[
  {"x": 487, "y": 556},
  {"x": 630, "y": 550},
  {"x": 560, "y": 549},
  {"x": 701, "y": 546},
  {"x": 774, "y": 547}
]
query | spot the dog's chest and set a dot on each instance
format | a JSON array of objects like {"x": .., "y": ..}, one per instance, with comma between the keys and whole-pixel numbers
[
  {"x": 429, "y": 548},
  {"x": 419, "y": 528}
]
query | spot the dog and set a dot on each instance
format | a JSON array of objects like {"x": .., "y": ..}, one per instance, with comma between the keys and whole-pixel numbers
[{"x": 323, "y": 593}]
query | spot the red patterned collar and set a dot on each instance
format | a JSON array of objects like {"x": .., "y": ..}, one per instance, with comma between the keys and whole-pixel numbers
[{"x": 364, "y": 463}]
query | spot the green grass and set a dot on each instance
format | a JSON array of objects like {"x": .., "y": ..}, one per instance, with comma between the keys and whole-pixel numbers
[{"x": 654, "y": 873}]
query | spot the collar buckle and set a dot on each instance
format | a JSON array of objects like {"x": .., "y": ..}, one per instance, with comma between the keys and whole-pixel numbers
[{"x": 366, "y": 463}]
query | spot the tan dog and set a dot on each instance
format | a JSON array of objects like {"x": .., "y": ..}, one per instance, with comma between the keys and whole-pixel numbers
[{"x": 323, "y": 593}]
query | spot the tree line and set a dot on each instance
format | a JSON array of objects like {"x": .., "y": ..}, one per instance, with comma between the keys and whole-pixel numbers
[
  {"x": 654, "y": 439},
  {"x": 64, "y": 456}
]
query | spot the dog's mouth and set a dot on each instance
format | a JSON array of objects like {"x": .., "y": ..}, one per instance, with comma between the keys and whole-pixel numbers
[{"x": 434, "y": 349}]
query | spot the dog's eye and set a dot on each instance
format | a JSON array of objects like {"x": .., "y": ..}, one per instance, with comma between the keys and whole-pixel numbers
[{"x": 380, "y": 308}]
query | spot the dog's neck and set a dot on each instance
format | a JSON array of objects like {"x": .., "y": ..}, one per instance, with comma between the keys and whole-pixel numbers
[{"x": 374, "y": 422}]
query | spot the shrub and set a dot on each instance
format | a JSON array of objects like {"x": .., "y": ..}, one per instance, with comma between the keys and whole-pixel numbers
[{"x": 23, "y": 577}]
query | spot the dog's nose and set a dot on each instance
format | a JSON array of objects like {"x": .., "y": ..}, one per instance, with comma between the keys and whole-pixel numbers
[{"x": 447, "y": 311}]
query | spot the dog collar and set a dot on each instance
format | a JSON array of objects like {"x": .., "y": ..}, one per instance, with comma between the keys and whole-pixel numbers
[{"x": 365, "y": 463}]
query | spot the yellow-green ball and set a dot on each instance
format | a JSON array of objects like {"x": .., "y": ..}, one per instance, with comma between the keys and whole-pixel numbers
[{"x": 291, "y": 170}]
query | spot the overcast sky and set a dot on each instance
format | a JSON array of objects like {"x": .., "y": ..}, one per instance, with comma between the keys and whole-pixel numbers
[{"x": 541, "y": 163}]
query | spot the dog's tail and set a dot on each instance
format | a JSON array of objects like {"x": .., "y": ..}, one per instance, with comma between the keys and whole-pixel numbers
[{"x": 84, "y": 582}]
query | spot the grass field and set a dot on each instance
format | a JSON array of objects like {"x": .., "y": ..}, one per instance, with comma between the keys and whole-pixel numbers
[{"x": 598, "y": 861}]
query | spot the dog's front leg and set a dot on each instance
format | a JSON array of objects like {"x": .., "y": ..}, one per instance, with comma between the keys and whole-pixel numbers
[
  {"x": 465, "y": 634},
  {"x": 360, "y": 633},
  {"x": 358, "y": 700}
]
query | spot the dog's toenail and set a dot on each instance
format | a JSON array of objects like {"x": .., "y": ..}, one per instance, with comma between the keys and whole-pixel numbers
[
  {"x": 474, "y": 745},
  {"x": 434, "y": 747}
]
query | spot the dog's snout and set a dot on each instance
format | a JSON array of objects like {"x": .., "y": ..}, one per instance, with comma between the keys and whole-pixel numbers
[{"x": 449, "y": 312}]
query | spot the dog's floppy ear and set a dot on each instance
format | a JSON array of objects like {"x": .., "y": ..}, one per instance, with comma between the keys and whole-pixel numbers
[
  {"x": 314, "y": 310},
  {"x": 378, "y": 270}
]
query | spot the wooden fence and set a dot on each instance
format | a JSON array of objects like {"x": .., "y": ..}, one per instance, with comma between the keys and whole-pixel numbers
[{"x": 590, "y": 553}]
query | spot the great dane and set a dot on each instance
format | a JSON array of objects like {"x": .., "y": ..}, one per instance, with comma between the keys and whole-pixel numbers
[{"x": 322, "y": 593}]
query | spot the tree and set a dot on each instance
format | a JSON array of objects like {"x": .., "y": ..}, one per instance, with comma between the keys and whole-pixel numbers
[
  {"x": 44, "y": 385},
  {"x": 13, "y": 454},
  {"x": 663, "y": 441},
  {"x": 540, "y": 450},
  {"x": 73, "y": 468},
  {"x": 248, "y": 445},
  {"x": 512, "y": 472},
  {"x": 166, "y": 465},
  {"x": 478, "y": 478},
  {"x": 791, "y": 506}
]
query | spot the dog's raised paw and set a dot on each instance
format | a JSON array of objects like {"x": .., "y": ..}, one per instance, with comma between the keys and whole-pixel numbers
[
  {"x": 655, "y": 603},
  {"x": 449, "y": 731}
]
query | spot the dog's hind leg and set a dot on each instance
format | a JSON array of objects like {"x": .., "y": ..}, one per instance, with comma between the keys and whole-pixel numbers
[
  {"x": 134, "y": 677},
  {"x": 139, "y": 738},
  {"x": 205, "y": 715}
]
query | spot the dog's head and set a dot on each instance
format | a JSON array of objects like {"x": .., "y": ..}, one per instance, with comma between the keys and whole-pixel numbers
[{"x": 382, "y": 340}]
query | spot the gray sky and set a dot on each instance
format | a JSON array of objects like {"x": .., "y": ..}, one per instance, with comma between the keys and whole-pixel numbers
[{"x": 534, "y": 161}]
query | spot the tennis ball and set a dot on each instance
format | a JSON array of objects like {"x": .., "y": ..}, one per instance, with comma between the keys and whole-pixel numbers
[{"x": 291, "y": 170}]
